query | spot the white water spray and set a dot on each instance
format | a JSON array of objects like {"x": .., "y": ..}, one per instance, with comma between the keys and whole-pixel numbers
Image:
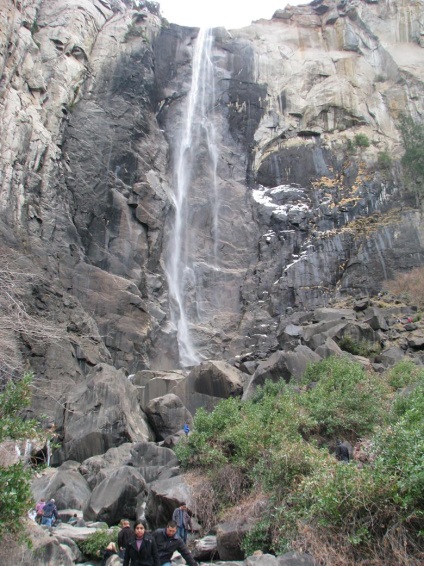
[{"x": 197, "y": 142}]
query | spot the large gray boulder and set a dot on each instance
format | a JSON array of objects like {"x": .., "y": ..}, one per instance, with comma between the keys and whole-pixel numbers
[
  {"x": 45, "y": 550},
  {"x": 296, "y": 559},
  {"x": 205, "y": 549},
  {"x": 167, "y": 415},
  {"x": 100, "y": 414},
  {"x": 164, "y": 496},
  {"x": 152, "y": 460},
  {"x": 96, "y": 468},
  {"x": 65, "y": 484},
  {"x": 208, "y": 383},
  {"x": 229, "y": 536},
  {"x": 116, "y": 496},
  {"x": 153, "y": 384},
  {"x": 281, "y": 365}
]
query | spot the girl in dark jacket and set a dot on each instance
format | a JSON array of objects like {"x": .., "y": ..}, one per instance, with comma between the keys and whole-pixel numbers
[{"x": 142, "y": 551}]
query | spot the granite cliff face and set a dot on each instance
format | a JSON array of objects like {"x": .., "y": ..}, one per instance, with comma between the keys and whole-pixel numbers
[{"x": 288, "y": 214}]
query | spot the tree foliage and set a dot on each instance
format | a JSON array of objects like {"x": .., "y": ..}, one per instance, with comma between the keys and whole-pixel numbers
[{"x": 15, "y": 493}]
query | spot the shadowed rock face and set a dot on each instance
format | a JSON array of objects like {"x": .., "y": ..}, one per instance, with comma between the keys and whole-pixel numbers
[{"x": 92, "y": 99}]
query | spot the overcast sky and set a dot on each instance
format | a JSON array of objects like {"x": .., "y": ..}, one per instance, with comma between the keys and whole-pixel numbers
[{"x": 230, "y": 14}]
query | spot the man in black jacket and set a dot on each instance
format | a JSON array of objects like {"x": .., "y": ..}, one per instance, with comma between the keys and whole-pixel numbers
[
  {"x": 125, "y": 536},
  {"x": 168, "y": 542}
]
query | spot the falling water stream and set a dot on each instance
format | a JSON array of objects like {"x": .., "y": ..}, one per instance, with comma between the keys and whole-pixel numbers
[{"x": 198, "y": 137}]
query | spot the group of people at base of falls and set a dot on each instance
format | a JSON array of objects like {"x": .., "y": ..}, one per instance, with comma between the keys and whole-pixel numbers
[{"x": 137, "y": 547}]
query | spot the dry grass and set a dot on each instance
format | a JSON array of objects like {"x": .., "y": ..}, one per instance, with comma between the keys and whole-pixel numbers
[
  {"x": 205, "y": 498},
  {"x": 408, "y": 285},
  {"x": 331, "y": 549}
]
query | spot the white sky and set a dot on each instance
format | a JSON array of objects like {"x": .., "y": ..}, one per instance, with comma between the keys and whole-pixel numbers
[{"x": 230, "y": 14}]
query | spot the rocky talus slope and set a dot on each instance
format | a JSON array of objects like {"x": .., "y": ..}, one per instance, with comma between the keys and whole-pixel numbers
[{"x": 297, "y": 212}]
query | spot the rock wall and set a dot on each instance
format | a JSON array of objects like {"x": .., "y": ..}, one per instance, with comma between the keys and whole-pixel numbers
[{"x": 92, "y": 97}]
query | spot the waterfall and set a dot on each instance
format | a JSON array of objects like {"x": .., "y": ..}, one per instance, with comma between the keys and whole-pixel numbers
[{"x": 196, "y": 147}]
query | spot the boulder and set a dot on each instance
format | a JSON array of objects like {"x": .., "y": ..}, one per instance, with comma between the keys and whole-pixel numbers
[
  {"x": 75, "y": 533},
  {"x": 101, "y": 413},
  {"x": 290, "y": 336},
  {"x": 375, "y": 318},
  {"x": 65, "y": 484},
  {"x": 46, "y": 550},
  {"x": 116, "y": 496},
  {"x": 153, "y": 384},
  {"x": 329, "y": 348},
  {"x": 358, "y": 332},
  {"x": 229, "y": 536},
  {"x": 205, "y": 549},
  {"x": 390, "y": 356},
  {"x": 329, "y": 329},
  {"x": 96, "y": 468},
  {"x": 167, "y": 415},
  {"x": 296, "y": 559},
  {"x": 152, "y": 460},
  {"x": 76, "y": 553},
  {"x": 416, "y": 340},
  {"x": 327, "y": 314},
  {"x": 164, "y": 496},
  {"x": 260, "y": 559},
  {"x": 208, "y": 383},
  {"x": 281, "y": 365}
]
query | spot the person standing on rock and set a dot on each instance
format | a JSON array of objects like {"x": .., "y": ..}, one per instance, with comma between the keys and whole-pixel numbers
[
  {"x": 186, "y": 429},
  {"x": 125, "y": 536},
  {"x": 183, "y": 520},
  {"x": 39, "y": 510},
  {"x": 169, "y": 542},
  {"x": 142, "y": 550},
  {"x": 50, "y": 513}
]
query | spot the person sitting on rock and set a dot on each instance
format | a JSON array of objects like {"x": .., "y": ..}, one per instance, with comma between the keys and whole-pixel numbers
[
  {"x": 125, "y": 536},
  {"x": 109, "y": 551},
  {"x": 73, "y": 520},
  {"x": 342, "y": 452},
  {"x": 168, "y": 542}
]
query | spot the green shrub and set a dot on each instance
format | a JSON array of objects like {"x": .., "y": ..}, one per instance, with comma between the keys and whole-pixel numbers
[
  {"x": 400, "y": 448},
  {"x": 15, "y": 493},
  {"x": 95, "y": 543},
  {"x": 405, "y": 373},
  {"x": 259, "y": 451},
  {"x": 346, "y": 401},
  {"x": 384, "y": 161},
  {"x": 361, "y": 140},
  {"x": 362, "y": 347}
]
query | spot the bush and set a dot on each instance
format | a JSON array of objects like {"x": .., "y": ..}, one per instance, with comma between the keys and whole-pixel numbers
[
  {"x": 346, "y": 401},
  {"x": 15, "y": 493},
  {"x": 95, "y": 543},
  {"x": 362, "y": 347},
  {"x": 361, "y": 140},
  {"x": 384, "y": 161},
  {"x": 405, "y": 373},
  {"x": 258, "y": 448}
]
